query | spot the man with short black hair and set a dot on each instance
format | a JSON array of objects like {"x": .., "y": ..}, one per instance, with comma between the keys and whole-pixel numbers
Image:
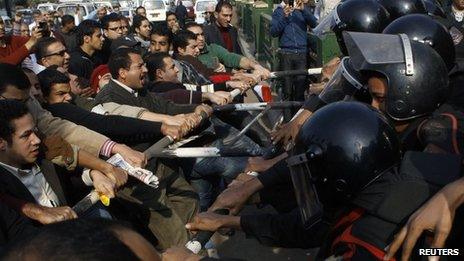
[
  {"x": 141, "y": 11},
  {"x": 90, "y": 40},
  {"x": 26, "y": 175},
  {"x": 160, "y": 40},
  {"x": 221, "y": 32},
  {"x": 180, "y": 203}
]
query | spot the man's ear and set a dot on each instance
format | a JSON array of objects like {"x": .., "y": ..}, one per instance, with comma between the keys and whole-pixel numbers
[
  {"x": 43, "y": 61},
  {"x": 181, "y": 50},
  {"x": 105, "y": 32},
  {"x": 159, "y": 74},
  {"x": 216, "y": 14},
  {"x": 87, "y": 38},
  {"x": 122, "y": 73},
  {"x": 3, "y": 144}
]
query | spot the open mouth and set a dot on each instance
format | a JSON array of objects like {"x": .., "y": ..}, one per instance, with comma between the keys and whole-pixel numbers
[{"x": 35, "y": 152}]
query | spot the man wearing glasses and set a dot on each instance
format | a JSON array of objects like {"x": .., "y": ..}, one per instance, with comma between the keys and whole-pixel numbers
[
  {"x": 112, "y": 30},
  {"x": 50, "y": 51}
]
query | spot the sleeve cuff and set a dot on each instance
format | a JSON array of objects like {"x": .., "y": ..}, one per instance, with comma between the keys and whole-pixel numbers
[
  {"x": 86, "y": 177},
  {"x": 107, "y": 148},
  {"x": 313, "y": 103}
]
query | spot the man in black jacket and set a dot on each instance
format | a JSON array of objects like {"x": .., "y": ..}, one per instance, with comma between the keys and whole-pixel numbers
[
  {"x": 221, "y": 32},
  {"x": 59, "y": 101},
  {"x": 90, "y": 40},
  {"x": 112, "y": 30}
]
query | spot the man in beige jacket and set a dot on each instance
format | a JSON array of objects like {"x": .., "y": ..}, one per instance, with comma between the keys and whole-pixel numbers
[{"x": 15, "y": 85}]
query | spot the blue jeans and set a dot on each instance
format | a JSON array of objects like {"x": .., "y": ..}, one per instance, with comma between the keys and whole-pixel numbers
[{"x": 227, "y": 168}]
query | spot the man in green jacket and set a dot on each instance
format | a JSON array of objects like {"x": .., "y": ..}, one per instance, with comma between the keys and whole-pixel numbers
[{"x": 218, "y": 58}]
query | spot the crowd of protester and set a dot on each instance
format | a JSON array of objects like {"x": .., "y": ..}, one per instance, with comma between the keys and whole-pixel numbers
[{"x": 77, "y": 94}]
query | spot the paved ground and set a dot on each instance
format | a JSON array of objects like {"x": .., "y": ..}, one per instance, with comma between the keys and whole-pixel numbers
[{"x": 238, "y": 246}]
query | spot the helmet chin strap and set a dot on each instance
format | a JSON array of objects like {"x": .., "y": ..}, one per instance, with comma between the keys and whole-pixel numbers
[{"x": 313, "y": 151}]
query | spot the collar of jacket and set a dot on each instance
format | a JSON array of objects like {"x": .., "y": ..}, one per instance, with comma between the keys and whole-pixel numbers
[
  {"x": 125, "y": 87},
  {"x": 205, "y": 50},
  {"x": 83, "y": 54}
]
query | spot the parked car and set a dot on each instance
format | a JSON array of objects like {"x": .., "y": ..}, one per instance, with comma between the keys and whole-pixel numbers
[
  {"x": 87, "y": 10},
  {"x": 156, "y": 10},
  {"x": 200, "y": 9}
]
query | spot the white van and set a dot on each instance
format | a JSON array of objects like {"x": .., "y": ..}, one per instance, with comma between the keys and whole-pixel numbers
[
  {"x": 156, "y": 10},
  {"x": 200, "y": 9},
  {"x": 87, "y": 10}
]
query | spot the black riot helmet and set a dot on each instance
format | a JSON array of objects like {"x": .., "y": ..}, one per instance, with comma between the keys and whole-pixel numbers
[
  {"x": 398, "y": 8},
  {"x": 424, "y": 29},
  {"x": 357, "y": 16},
  {"x": 433, "y": 8},
  {"x": 340, "y": 150},
  {"x": 417, "y": 77}
]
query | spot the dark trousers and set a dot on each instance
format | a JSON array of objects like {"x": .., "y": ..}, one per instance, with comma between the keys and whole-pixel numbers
[{"x": 294, "y": 86}]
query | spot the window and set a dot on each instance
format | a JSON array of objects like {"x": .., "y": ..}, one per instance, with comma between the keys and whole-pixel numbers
[
  {"x": 201, "y": 6},
  {"x": 153, "y": 4}
]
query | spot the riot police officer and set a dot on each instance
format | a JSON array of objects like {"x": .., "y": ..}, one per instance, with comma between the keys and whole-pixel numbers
[
  {"x": 424, "y": 29},
  {"x": 357, "y": 16},
  {"x": 398, "y": 8},
  {"x": 347, "y": 180}
]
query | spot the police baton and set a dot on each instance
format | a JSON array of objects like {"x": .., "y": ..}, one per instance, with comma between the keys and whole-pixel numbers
[
  {"x": 88, "y": 201},
  {"x": 258, "y": 106},
  {"x": 156, "y": 149},
  {"x": 310, "y": 71}
]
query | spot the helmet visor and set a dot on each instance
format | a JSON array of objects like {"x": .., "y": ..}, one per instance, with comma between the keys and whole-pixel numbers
[
  {"x": 305, "y": 191},
  {"x": 367, "y": 50},
  {"x": 343, "y": 84},
  {"x": 326, "y": 24}
]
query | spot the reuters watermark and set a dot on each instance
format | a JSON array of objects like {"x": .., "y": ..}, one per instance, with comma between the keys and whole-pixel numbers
[{"x": 440, "y": 252}]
